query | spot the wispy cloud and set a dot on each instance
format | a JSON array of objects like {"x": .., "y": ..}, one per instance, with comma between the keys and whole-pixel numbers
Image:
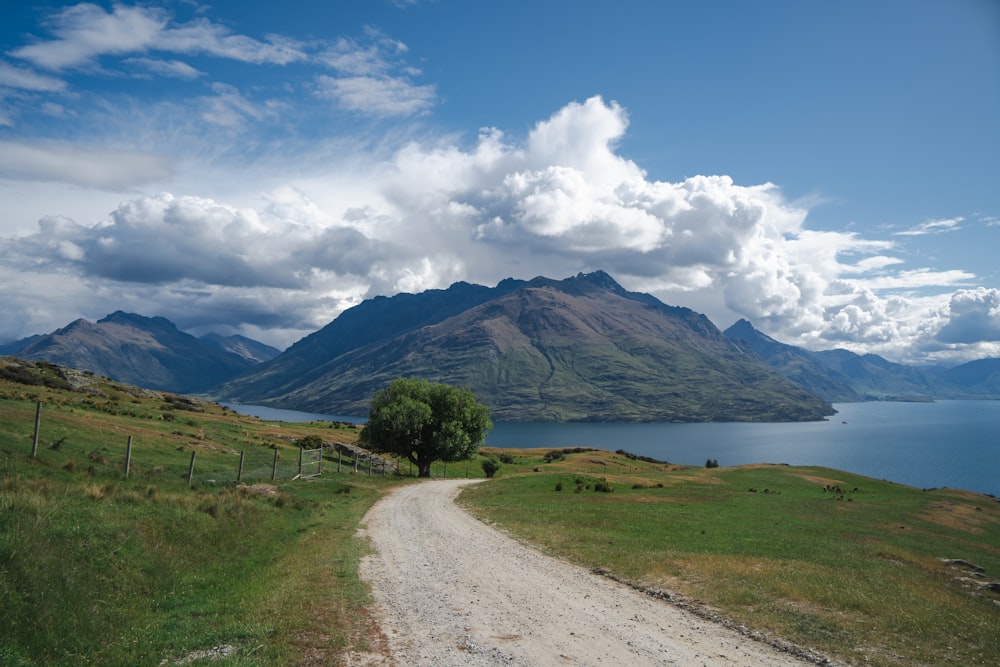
[
  {"x": 229, "y": 108},
  {"x": 379, "y": 96},
  {"x": 86, "y": 166},
  {"x": 368, "y": 74},
  {"x": 26, "y": 79},
  {"x": 86, "y": 32},
  {"x": 373, "y": 77},
  {"x": 175, "y": 69},
  {"x": 940, "y": 226}
]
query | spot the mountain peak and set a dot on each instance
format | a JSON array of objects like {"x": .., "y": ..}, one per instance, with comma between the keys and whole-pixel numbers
[
  {"x": 744, "y": 330},
  {"x": 121, "y": 317},
  {"x": 600, "y": 279},
  {"x": 579, "y": 284}
]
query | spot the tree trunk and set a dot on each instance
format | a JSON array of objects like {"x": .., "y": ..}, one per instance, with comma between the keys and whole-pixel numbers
[{"x": 423, "y": 465}]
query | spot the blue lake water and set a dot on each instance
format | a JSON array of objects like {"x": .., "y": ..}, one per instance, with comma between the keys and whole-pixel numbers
[
  {"x": 947, "y": 443},
  {"x": 277, "y": 414}
]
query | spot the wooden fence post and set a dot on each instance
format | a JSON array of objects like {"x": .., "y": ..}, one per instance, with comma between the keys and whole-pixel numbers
[
  {"x": 239, "y": 474},
  {"x": 128, "y": 456},
  {"x": 274, "y": 466},
  {"x": 191, "y": 470},
  {"x": 38, "y": 419},
  {"x": 300, "y": 462},
  {"x": 339, "y": 456}
]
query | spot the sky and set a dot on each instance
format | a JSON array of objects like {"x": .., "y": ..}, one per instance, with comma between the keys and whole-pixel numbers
[{"x": 829, "y": 171}]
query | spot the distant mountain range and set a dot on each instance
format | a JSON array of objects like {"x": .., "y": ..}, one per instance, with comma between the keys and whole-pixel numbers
[
  {"x": 841, "y": 376},
  {"x": 148, "y": 352},
  {"x": 577, "y": 349}
]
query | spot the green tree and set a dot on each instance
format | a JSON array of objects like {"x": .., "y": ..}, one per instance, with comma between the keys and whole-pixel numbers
[{"x": 425, "y": 422}]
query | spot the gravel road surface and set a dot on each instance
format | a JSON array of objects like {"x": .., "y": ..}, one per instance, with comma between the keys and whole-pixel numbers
[{"x": 451, "y": 590}]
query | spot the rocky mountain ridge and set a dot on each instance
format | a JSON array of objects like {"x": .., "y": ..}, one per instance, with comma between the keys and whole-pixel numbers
[{"x": 579, "y": 349}]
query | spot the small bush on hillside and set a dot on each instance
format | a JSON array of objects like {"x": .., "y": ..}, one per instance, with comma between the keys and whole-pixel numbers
[
  {"x": 490, "y": 467},
  {"x": 309, "y": 442},
  {"x": 603, "y": 487},
  {"x": 712, "y": 463},
  {"x": 506, "y": 458},
  {"x": 554, "y": 455}
]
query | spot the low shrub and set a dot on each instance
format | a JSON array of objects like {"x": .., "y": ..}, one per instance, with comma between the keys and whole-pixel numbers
[
  {"x": 490, "y": 467},
  {"x": 639, "y": 457}
]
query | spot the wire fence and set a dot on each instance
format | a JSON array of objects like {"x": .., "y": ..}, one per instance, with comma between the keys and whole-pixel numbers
[{"x": 206, "y": 463}]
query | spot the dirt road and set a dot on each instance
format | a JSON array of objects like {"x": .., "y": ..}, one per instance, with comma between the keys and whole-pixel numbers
[{"x": 451, "y": 590}]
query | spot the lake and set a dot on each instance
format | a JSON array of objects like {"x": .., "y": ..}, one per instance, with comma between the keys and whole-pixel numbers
[{"x": 946, "y": 443}]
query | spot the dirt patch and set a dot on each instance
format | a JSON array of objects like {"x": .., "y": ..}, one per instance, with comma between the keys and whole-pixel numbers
[
  {"x": 264, "y": 490},
  {"x": 820, "y": 481},
  {"x": 958, "y": 516}
]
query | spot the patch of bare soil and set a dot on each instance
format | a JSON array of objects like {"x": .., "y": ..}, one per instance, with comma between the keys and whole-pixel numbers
[{"x": 450, "y": 590}]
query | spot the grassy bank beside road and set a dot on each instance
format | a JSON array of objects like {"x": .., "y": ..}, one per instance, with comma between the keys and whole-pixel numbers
[
  {"x": 867, "y": 571},
  {"x": 97, "y": 568}
]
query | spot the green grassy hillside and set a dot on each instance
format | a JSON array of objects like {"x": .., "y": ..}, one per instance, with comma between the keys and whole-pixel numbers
[
  {"x": 99, "y": 569},
  {"x": 866, "y": 571}
]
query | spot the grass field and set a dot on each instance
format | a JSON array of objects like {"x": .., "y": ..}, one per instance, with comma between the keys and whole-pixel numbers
[
  {"x": 847, "y": 565},
  {"x": 97, "y": 568}
]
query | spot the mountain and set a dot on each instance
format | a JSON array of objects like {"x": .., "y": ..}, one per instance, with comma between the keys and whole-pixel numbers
[
  {"x": 542, "y": 350},
  {"x": 249, "y": 349},
  {"x": 979, "y": 377},
  {"x": 12, "y": 348},
  {"x": 876, "y": 378},
  {"x": 148, "y": 352},
  {"x": 370, "y": 322},
  {"x": 798, "y": 365},
  {"x": 841, "y": 376}
]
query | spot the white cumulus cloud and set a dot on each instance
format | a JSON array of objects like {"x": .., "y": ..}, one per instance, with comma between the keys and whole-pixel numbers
[
  {"x": 559, "y": 201},
  {"x": 973, "y": 317}
]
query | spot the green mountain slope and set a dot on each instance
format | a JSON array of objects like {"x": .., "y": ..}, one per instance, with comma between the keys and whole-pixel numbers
[
  {"x": 796, "y": 364},
  {"x": 577, "y": 349}
]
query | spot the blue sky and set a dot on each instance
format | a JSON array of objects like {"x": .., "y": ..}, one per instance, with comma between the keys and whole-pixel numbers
[{"x": 828, "y": 171}]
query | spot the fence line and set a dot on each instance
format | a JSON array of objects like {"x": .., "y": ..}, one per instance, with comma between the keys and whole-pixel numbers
[{"x": 357, "y": 460}]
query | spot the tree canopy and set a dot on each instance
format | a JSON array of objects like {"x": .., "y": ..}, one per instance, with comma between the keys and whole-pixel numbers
[{"x": 426, "y": 422}]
